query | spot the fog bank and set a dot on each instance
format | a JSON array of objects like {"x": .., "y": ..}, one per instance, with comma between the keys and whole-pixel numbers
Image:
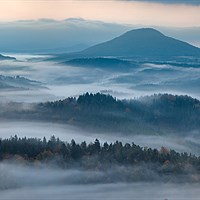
[
  {"x": 26, "y": 183},
  {"x": 63, "y": 80},
  {"x": 190, "y": 144}
]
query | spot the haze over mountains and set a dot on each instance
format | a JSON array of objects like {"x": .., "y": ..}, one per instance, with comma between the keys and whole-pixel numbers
[
  {"x": 50, "y": 36},
  {"x": 18, "y": 83},
  {"x": 63, "y": 78},
  {"x": 99, "y": 99},
  {"x": 73, "y": 34}
]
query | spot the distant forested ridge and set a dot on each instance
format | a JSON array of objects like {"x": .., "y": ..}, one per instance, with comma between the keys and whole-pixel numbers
[
  {"x": 133, "y": 162},
  {"x": 149, "y": 114},
  {"x": 101, "y": 62},
  {"x": 161, "y": 113},
  {"x": 2, "y": 57}
]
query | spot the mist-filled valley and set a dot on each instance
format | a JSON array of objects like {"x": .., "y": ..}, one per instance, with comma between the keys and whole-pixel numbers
[
  {"x": 57, "y": 80},
  {"x": 102, "y": 123},
  {"x": 106, "y": 191}
]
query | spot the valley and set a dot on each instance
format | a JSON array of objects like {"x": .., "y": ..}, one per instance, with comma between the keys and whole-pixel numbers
[{"x": 102, "y": 119}]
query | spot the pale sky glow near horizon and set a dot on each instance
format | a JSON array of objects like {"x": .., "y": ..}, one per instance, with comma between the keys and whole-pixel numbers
[{"x": 130, "y": 12}]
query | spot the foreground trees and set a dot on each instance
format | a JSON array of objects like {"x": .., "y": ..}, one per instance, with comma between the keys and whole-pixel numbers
[{"x": 95, "y": 155}]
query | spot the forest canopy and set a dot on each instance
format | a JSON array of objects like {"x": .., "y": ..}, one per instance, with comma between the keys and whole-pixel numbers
[
  {"x": 159, "y": 113},
  {"x": 101, "y": 157}
]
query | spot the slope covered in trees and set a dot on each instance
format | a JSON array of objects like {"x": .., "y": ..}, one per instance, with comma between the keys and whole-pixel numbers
[
  {"x": 178, "y": 113},
  {"x": 100, "y": 157},
  {"x": 162, "y": 113}
]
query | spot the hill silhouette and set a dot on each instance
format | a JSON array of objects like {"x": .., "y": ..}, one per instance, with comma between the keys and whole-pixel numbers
[
  {"x": 161, "y": 114},
  {"x": 142, "y": 42},
  {"x": 6, "y": 57}
]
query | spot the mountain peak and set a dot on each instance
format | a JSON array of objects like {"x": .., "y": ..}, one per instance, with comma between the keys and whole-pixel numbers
[{"x": 144, "y": 31}]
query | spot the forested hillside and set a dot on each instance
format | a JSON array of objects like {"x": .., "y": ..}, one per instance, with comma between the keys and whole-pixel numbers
[
  {"x": 160, "y": 114},
  {"x": 129, "y": 159},
  {"x": 177, "y": 113}
]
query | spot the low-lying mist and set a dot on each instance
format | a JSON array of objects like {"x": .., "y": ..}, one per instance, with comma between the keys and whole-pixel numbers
[
  {"x": 189, "y": 144},
  {"x": 19, "y": 180},
  {"x": 63, "y": 80},
  {"x": 23, "y": 182}
]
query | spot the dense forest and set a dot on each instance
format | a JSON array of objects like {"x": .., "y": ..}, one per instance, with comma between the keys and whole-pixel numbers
[
  {"x": 101, "y": 157},
  {"x": 160, "y": 114},
  {"x": 103, "y": 63}
]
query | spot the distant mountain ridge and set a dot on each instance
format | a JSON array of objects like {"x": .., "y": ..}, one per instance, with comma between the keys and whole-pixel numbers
[
  {"x": 100, "y": 62},
  {"x": 72, "y": 34},
  {"x": 142, "y": 42},
  {"x": 6, "y": 57},
  {"x": 18, "y": 82}
]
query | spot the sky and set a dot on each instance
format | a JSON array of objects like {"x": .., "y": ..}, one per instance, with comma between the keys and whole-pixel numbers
[{"x": 177, "y": 13}]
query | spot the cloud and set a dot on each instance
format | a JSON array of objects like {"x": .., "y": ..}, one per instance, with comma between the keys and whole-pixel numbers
[
  {"x": 39, "y": 182},
  {"x": 190, "y": 2},
  {"x": 74, "y": 34},
  {"x": 137, "y": 12},
  {"x": 48, "y": 35}
]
